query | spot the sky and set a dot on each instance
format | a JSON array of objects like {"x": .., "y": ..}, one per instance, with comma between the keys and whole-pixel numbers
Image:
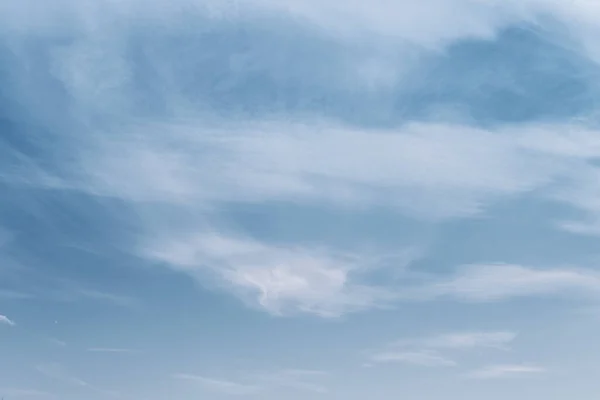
[{"x": 300, "y": 199}]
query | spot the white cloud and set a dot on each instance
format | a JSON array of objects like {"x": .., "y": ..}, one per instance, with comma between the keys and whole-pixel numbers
[
  {"x": 6, "y": 321},
  {"x": 195, "y": 166},
  {"x": 504, "y": 371},
  {"x": 284, "y": 280},
  {"x": 463, "y": 340},
  {"x": 434, "y": 23},
  {"x": 431, "y": 170},
  {"x": 110, "y": 350},
  {"x": 425, "y": 358},
  {"x": 319, "y": 163},
  {"x": 496, "y": 282},
  {"x": 430, "y": 23},
  {"x": 425, "y": 351},
  {"x": 281, "y": 279}
]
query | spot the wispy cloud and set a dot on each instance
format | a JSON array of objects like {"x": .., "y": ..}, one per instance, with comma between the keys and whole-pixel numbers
[
  {"x": 493, "y": 282},
  {"x": 303, "y": 380},
  {"x": 400, "y": 21},
  {"x": 425, "y": 358},
  {"x": 475, "y": 166},
  {"x": 296, "y": 162},
  {"x": 426, "y": 351},
  {"x": 506, "y": 371},
  {"x": 110, "y": 350},
  {"x": 462, "y": 340},
  {"x": 189, "y": 167},
  {"x": 281, "y": 279},
  {"x": 284, "y": 280},
  {"x": 6, "y": 321}
]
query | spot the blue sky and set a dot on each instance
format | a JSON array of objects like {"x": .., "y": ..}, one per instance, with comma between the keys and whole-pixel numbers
[{"x": 299, "y": 200}]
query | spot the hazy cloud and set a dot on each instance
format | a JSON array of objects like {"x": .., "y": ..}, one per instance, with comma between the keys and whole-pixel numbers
[
  {"x": 506, "y": 371},
  {"x": 425, "y": 358},
  {"x": 494, "y": 282},
  {"x": 462, "y": 340},
  {"x": 280, "y": 279},
  {"x": 6, "y": 321}
]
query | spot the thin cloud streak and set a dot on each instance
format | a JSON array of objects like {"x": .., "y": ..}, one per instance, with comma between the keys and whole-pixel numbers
[
  {"x": 496, "y": 282},
  {"x": 425, "y": 358},
  {"x": 281, "y": 280},
  {"x": 4, "y": 320},
  {"x": 288, "y": 280},
  {"x": 260, "y": 382},
  {"x": 506, "y": 371},
  {"x": 110, "y": 350},
  {"x": 426, "y": 351},
  {"x": 462, "y": 341}
]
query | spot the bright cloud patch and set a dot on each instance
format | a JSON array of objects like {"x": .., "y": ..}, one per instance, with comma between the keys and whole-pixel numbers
[{"x": 282, "y": 279}]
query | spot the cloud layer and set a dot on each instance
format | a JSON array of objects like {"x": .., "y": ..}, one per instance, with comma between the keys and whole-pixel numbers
[{"x": 177, "y": 134}]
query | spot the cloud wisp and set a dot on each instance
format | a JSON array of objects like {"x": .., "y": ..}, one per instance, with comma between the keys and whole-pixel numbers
[
  {"x": 296, "y": 162},
  {"x": 255, "y": 383},
  {"x": 4, "y": 320},
  {"x": 427, "y": 351},
  {"x": 280, "y": 279},
  {"x": 285, "y": 280},
  {"x": 188, "y": 162},
  {"x": 462, "y": 341},
  {"x": 496, "y": 282},
  {"x": 431, "y": 24},
  {"x": 113, "y": 350},
  {"x": 423, "y": 358},
  {"x": 506, "y": 371}
]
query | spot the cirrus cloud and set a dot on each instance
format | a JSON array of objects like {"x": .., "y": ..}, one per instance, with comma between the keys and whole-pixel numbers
[{"x": 6, "y": 321}]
